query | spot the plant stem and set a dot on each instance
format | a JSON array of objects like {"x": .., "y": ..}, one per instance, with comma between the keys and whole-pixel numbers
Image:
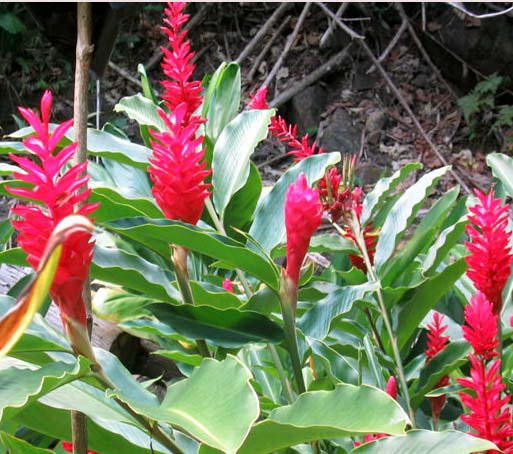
[
  {"x": 287, "y": 388},
  {"x": 360, "y": 241},
  {"x": 179, "y": 258}
]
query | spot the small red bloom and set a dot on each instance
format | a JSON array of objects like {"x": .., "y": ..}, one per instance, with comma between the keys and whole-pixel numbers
[
  {"x": 59, "y": 193},
  {"x": 68, "y": 447},
  {"x": 303, "y": 214},
  {"x": 480, "y": 328},
  {"x": 228, "y": 286},
  {"x": 284, "y": 132},
  {"x": 490, "y": 257}
]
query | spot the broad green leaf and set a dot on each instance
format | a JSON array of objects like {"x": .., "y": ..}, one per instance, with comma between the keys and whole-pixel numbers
[
  {"x": 216, "y": 404},
  {"x": 425, "y": 297},
  {"x": 453, "y": 356},
  {"x": 347, "y": 410},
  {"x": 110, "y": 209},
  {"x": 19, "y": 446},
  {"x": 269, "y": 224},
  {"x": 141, "y": 109},
  {"x": 133, "y": 272},
  {"x": 193, "y": 359},
  {"x": 21, "y": 387},
  {"x": 401, "y": 215},
  {"x": 441, "y": 247},
  {"x": 427, "y": 442},
  {"x": 316, "y": 322},
  {"x": 502, "y": 168},
  {"x": 12, "y": 147},
  {"x": 14, "y": 256},
  {"x": 159, "y": 234},
  {"x": 339, "y": 367},
  {"x": 229, "y": 328},
  {"x": 206, "y": 294},
  {"x": 119, "y": 306},
  {"x": 222, "y": 99},
  {"x": 232, "y": 153},
  {"x": 146, "y": 85},
  {"x": 375, "y": 199},
  {"x": 8, "y": 169}
]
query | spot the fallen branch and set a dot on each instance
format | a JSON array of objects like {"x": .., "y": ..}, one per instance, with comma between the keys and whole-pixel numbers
[
  {"x": 278, "y": 12},
  {"x": 393, "y": 42},
  {"x": 460, "y": 7},
  {"x": 266, "y": 48},
  {"x": 325, "y": 36},
  {"x": 398, "y": 95},
  {"x": 331, "y": 65},
  {"x": 125, "y": 74},
  {"x": 288, "y": 45}
]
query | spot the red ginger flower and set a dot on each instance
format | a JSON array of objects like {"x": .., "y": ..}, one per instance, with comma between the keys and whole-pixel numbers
[
  {"x": 58, "y": 193},
  {"x": 228, "y": 286},
  {"x": 481, "y": 327},
  {"x": 284, "y": 132},
  {"x": 490, "y": 259},
  {"x": 177, "y": 63},
  {"x": 490, "y": 415},
  {"x": 177, "y": 170},
  {"x": 303, "y": 214}
]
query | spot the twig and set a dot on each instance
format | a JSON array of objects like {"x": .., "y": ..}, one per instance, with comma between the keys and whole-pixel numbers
[
  {"x": 84, "y": 53},
  {"x": 125, "y": 74},
  {"x": 416, "y": 39},
  {"x": 325, "y": 36},
  {"x": 263, "y": 31},
  {"x": 273, "y": 159},
  {"x": 290, "y": 41},
  {"x": 266, "y": 48},
  {"x": 399, "y": 97},
  {"x": 195, "y": 20},
  {"x": 393, "y": 42},
  {"x": 460, "y": 7},
  {"x": 423, "y": 14},
  {"x": 332, "y": 64}
]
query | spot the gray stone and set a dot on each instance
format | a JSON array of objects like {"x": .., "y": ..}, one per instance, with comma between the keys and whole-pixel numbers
[
  {"x": 307, "y": 107},
  {"x": 340, "y": 133},
  {"x": 374, "y": 125}
]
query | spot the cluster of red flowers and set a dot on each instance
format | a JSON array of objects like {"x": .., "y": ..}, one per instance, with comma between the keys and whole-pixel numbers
[
  {"x": 58, "y": 193},
  {"x": 489, "y": 267},
  {"x": 177, "y": 168}
]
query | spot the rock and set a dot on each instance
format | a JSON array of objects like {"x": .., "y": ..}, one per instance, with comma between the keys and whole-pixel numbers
[
  {"x": 340, "y": 133},
  {"x": 362, "y": 81},
  {"x": 421, "y": 80},
  {"x": 307, "y": 107},
  {"x": 374, "y": 125}
]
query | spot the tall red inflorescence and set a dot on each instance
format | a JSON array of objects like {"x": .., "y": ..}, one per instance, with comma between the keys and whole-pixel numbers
[
  {"x": 286, "y": 133},
  {"x": 436, "y": 343},
  {"x": 177, "y": 168},
  {"x": 303, "y": 215},
  {"x": 490, "y": 256},
  {"x": 58, "y": 193}
]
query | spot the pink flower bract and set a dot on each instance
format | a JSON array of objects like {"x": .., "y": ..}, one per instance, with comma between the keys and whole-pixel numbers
[{"x": 303, "y": 214}]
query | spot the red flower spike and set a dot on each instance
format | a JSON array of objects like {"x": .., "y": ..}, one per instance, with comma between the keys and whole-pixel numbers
[
  {"x": 490, "y": 257},
  {"x": 228, "y": 286},
  {"x": 481, "y": 330},
  {"x": 284, "y": 132},
  {"x": 490, "y": 415},
  {"x": 303, "y": 214},
  {"x": 391, "y": 387},
  {"x": 58, "y": 193},
  {"x": 177, "y": 63}
]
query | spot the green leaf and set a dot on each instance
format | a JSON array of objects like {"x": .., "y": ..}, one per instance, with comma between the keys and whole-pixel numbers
[
  {"x": 502, "y": 168},
  {"x": 452, "y": 357},
  {"x": 229, "y": 328},
  {"x": 14, "y": 256},
  {"x": 8, "y": 169},
  {"x": 119, "y": 306},
  {"x": 269, "y": 224},
  {"x": 427, "y": 442},
  {"x": 133, "y": 272},
  {"x": 147, "y": 89},
  {"x": 206, "y": 294},
  {"x": 193, "y": 359},
  {"x": 158, "y": 234},
  {"x": 216, "y": 404},
  {"x": 21, "y": 387},
  {"x": 11, "y": 23},
  {"x": 374, "y": 200},
  {"x": 346, "y": 410},
  {"x": 141, "y": 109},
  {"x": 401, "y": 215},
  {"x": 316, "y": 322},
  {"x": 19, "y": 446},
  {"x": 337, "y": 365},
  {"x": 232, "y": 152},
  {"x": 425, "y": 297},
  {"x": 222, "y": 99}
]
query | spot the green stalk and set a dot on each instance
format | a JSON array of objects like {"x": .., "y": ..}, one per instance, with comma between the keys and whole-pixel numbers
[
  {"x": 179, "y": 258},
  {"x": 360, "y": 241}
]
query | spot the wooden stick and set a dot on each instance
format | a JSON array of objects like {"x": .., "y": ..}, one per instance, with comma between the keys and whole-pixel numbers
[
  {"x": 124, "y": 73},
  {"x": 266, "y": 48},
  {"x": 331, "y": 65},
  {"x": 393, "y": 42},
  {"x": 288, "y": 45},
  {"x": 331, "y": 26},
  {"x": 83, "y": 61},
  {"x": 397, "y": 94},
  {"x": 257, "y": 39}
]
